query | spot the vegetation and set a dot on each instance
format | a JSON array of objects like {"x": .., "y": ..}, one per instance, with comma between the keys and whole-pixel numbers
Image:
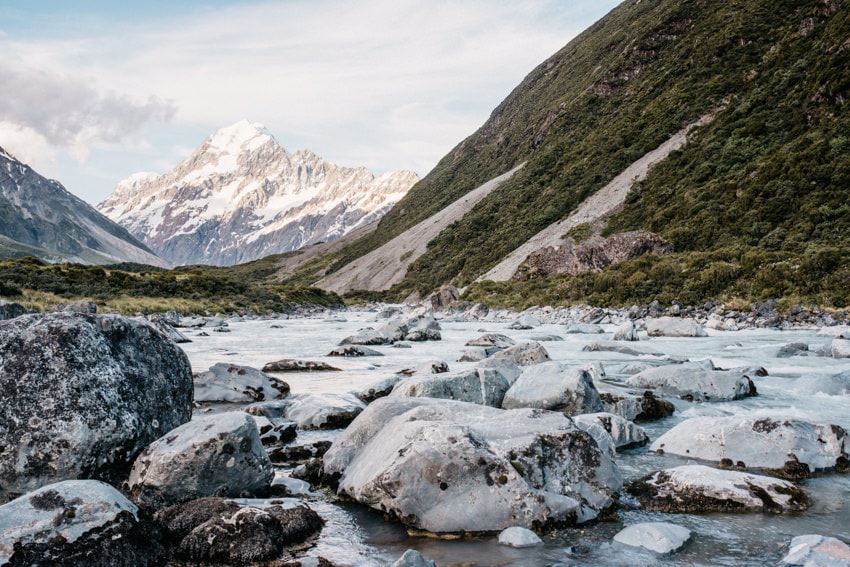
[{"x": 132, "y": 288}]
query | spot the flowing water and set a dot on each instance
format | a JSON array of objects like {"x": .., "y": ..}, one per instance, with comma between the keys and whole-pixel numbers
[{"x": 794, "y": 387}]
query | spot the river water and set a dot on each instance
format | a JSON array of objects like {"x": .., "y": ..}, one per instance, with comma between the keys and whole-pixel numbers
[{"x": 794, "y": 387}]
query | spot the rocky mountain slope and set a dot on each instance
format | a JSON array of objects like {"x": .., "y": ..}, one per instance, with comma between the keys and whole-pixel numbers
[
  {"x": 240, "y": 196},
  {"x": 753, "y": 201},
  {"x": 39, "y": 217}
]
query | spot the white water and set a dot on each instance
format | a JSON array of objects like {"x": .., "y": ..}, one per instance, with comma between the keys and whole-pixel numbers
[{"x": 355, "y": 535}]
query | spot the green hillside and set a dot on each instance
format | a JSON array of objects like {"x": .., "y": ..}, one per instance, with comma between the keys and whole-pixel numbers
[{"x": 756, "y": 204}]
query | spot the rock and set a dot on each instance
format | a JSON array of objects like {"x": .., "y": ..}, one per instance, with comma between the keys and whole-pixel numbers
[
  {"x": 835, "y": 385},
  {"x": 618, "y": 346},
  {"x": 290, "y": 365},
  {"x": 476, "y": 354},
  {"x": 232, "y": 383},
  {"x": 554, "y": 386},
  {"x": 542, "y": 338},
  {"x": 492, "y": 340},
  {"x": 695, "y": 384},
  {"x": 275, "y": 432},
  {"x": 427, "y": 367},
  {"x": 519, "y": 537},
  {"x": 164, "y": 326},
  {"x": 816, "y": 551},
  {"x": 697, "y": 489},
  {"x": 504, "y": 366},
  {"x": 322, "y": 411},
  {"x": 378, "y": 389},
  {"x": 525, "y": 353},
  {"x": 354, "y": 350},
  {"x": 11, "y": 310},
  {"x": 840, "y": 348},
  {"x": 215, "y": 455},
  {"x": 623, "y": 433},
  {"x": 639, "y": 409},
  {"x": 74, "y": 522},
  {"x": 793, "y": 349},
  {"x": 477, "y": 386},
  {"x": 91, "y": 391},
  {"x": 413, "y": 558},
  {"x": 660, "y": 537},
  {"x": 367, "y": 336},
  {"x": 584, "y": 329},
  {"x": 222, "y": 532},
  {"x": 674, "y": 327},
  {"x": 84, "y": 307},
  {"x": 626, "y": 332},
  {"x": 444, "y": 466},
  {"x": 524, "y": 323},
  {"x": 447, "y": 295},
  {"x": 758, "y": 442},
  {"x": 295, "y": 453},
  {"x": 476, "y": 312}
]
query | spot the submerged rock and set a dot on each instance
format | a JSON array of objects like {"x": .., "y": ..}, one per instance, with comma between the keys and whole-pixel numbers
[
  {"x": 699, "y": 489},
  {"x": 90, "y": 392},
  {"x": 445, "y": 466},
  {"x": 660, "y": 537},
  {"x": 225, "y": 382}
]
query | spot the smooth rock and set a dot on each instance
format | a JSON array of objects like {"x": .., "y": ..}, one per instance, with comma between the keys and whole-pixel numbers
[
  {"x": 695, "y": 384},
  {"x": 354, "y": 350},
  {"x": 840, "y": 348},
  {"x": 215, "y": 455},
  {"x": 660, "y": 537},
  {"x": 674, "y": 327},
  {"x": 162, "y": 324},
  {"x": 584, "y": 329},
  {"x": 492, "y": 340},
  {"x": 475, "y": 385},
  {"x": 814, "y": 550},
  {"x": 625, "y": 332},
  {"x": 516, "y": 536},
  {"x": 698, "y": 489},
  {"x": 524, "y": 322},
  {"x": 525, "y": 353},
  {"x": 322, "y": 411},
  {"x": 623, "y": 433},
  {"x": 367, "y": 336},
  {"x": 378, "y": 389},
  {"x": 618, "y": 346},
  {"x": 225, "y": 382},
  {"x": 291, "y": 365},
  {"x": 639, "y": 409},
  {"x": 554, "y": 386},
  {"x": 91, "y": 391},
  {"x": 413, "y": 558}
]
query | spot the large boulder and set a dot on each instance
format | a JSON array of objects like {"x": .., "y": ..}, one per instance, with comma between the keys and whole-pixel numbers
[
  {"x": 445, "y": 466},
  {"x": 694, "y": 383},
  {"x": 90, "y": 392},
  {"x": 322, "y": 411},
  {"x": 814, "y": 550},
  {"x": 225, "y": 382},
  {"x": 74, "y": 522},
  {"x": 622, "y": 433},
  {"x": 554, "y": 386},
  {"x": 474, "y": 385},
  {"x": 215, "y": 455},
  {"x": 759, "y": 442},
  {"x": 626, "y": 332},
  {"x": 639, "y": 409},
  {"x": 525, "y": 353},
  {"x": 840, "y": 348},
  {"x": 674, "y": 327},
  {"x": 660, "y": 537},
  {"x": 699, "y": 489}
]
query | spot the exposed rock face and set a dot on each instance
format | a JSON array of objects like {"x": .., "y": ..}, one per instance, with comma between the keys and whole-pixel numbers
[
  {"x": 446, "y": 466},
  {"x": 215, "y": 455},
  {"x": 700, "y": 489},
  {"x": 91, "y": 392},
  {"x": 73, "y": 522},
  {"x": 756, "y": 442},
  {"x": 233, "y": 383},
  {"x": 240, "y": 196},
  {"x": 553, "y": 386},
  {"x": 694, "y": 383},
  {"x": 593, "y": 255}
]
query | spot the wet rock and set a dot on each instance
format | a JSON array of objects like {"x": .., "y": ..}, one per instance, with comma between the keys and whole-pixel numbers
[
  {"x": 492, "y": 340},
  {"x": 477, "y": 386},
  {"x": 378, "y": 389},
  {"x": 413, "y": 558},
  {"x": 322, "y": 411},
  {"x": 697, "y": 489},
  {"x": 216, "y": 455},
  {"x": 91, "y": 391},
  {"x": 584, "y": 329},
  {"x": 626, "y": 332},
  {"x": 554, "y": 386},
  {"x": 75, "y": 522},
  {"x": 793, "y": 349},
  {"x": 639, "y": 409},
  {"x": 694, "y": 383},
  {"x": 618, "y": 346},
  {"x": 299, "y": 453},
  {"x": 233, "y": 383},
  {"x": 525, "y": 353},
  {"x": 367, "y": 336},
  {"x": 275, "y": 432},
  {"x": 674, "y": 327},
  {"x": 660, "y": 537},
  {"x": 504, "y": 366},
  {"x": 444, "y": 466},
  {"x": 524, "y": 322},
  {"x": 840, "y": 348},
  {"x": 354, "y": 350},
  {"x": 759, "y": 442},
  {"x": 623, "y": 433},
  {"x": 519, "y": 537},
  {"x": 426, "y": 368},
  {"x": 816, "y": 551},
  {"x": 290, "y": 365}
]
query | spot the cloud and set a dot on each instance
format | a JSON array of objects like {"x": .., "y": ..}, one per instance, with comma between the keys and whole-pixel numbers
[{"x": 64, "y": 111}]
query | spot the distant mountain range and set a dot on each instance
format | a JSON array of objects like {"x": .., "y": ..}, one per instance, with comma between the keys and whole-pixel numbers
[
  {"x": 240, "y": 196},
  {"x": 39, "y": 217}
]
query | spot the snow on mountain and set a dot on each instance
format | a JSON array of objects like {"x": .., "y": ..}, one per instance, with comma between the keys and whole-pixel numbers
[
  {"x": 38, "y": 216},
  {"x": 240, "y": 196}
]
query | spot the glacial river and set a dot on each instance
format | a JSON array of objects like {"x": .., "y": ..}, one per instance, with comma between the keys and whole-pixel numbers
[{"x": 794, "y": 387}]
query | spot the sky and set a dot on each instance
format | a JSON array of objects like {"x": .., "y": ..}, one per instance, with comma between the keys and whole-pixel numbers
[{"x": 93, "y": 91}]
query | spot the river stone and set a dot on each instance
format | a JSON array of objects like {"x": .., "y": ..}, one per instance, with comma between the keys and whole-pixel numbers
[
  {"x": 674, "y": 327},
  {"x": 367, "y": 336},
  {"x": 840, "y": 348},
  {"x": 354, "y": 350},
  {"x": 322, "y": 411},
  {"x": 504, "y": 366},
  {"x": 291, "y": 365},
  {"x": 413, "y": 558},
  {"x": 516, "y": 536},
  {"x": 554, "y": 386},
  {"x": 476, "y": 354},
  {"x": 695, "y": 384},
  {"x": 699, "y": 489},
  {"x": 474, "y": 385},
  {"x": 660, "y": 537},
  {"x": 524, "y": 322},
  {"x": 225, "y": 382},
  {"x": 619, "y": 347},
  {"x": 214, "y": 455},
  {"x": 625, "y": 332},
  {"x": 583, "y": 329},
  {"x": 814, "y": 550},
  {"x": 91, "y": 391},
  {"x": 623, "y": 433},
  {"x": 525, "y": 353},
  {"x": 377, "y": 389},
  {"x": 494, "y": 340},
  {"x": 758, "y": 442},
  {"x": 72, "y": 522},
  {"x": 639, "y": 409},
  {"x": 444, "y": 466}
]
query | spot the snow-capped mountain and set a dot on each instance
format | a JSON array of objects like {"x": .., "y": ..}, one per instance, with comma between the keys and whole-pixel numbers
[
  {"x": 39, "y": 217},
  {"x": 240, "y": 196}
]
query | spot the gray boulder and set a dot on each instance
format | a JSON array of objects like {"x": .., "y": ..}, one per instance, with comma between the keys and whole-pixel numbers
[
  {"x": 694, "y": 383},
  {"x": 619, "y": 347},
  {"x": 214, "y": 455},
  {"x": 584, "y": 329},
  {"x": 91, "y": 391},
  {"x": 444, "y": 466},
  {"x": 377, "y": 389},
  {"x": 475, "y": 385},
  {"x": 625, "y": 332},
  {"x": 492, "y": 340},
  {"x": 10, "y": 310},
  {"x": 639, "y": 409},
  {"x": 412, "y": 558},
  {"x": 524, "y": 322},
  {"x": 758, "y": 442},
  {"x": 697, "y": 489},
  {"x": 554, "y": 386},
  {"x": 814, "y": 550},
  {"x": 291, "y": 365},
  {"x": 504, "y": 366},
  {"x": 368, "y": 336},
  {"x": 322, "y": 411},
  {"x": 622, "y": 433},
  {"x": 225, "y": 382},
  {"x": 674, "y": 327},
  {"x": 660, "y": 537},
  {"x": 525, "y": 353},
  {"x": 840, "y": 348},
  {"x": 519, "y": 537},
  {"x": 166, "y": 328},
  {"x": 353, "y": 351}
]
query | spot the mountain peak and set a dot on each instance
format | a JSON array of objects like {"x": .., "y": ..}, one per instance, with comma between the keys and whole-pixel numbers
[{"x": 243, "y": 136}]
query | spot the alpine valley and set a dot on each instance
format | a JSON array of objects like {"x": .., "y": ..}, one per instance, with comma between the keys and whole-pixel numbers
[{"x": 240, "y": 196}]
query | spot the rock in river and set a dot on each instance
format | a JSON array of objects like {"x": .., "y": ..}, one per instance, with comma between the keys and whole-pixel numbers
[
  {"x": 225, "y": 382},
  {"x": 554, "y": 386},
  {"x": 694, "y": 383}
]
